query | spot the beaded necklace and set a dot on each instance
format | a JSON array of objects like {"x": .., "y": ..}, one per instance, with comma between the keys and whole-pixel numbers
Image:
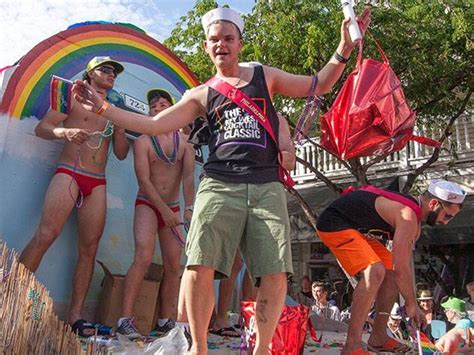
[
  {"x": 161, "y": 153},
  {"x": 105, "y": 134}
]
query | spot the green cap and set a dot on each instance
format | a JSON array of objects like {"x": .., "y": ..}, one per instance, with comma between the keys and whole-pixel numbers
[
  {"x": 98, "y": 61},
  {"x": 455, "y": 304},
  {"x": 160, "y": 93}
]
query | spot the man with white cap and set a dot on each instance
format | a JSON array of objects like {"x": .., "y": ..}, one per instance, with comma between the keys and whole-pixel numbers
[
  {"x": 79, "y": 181},
  {"x": 394, "y": 323},
  {"x": 355, "y": 226},
  {"x": 240, "y": 202}
]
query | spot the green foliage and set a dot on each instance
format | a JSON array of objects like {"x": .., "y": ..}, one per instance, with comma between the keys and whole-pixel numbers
[
  {"x": 429, "y": 44},
  {"x": 430, "y": 47},
  {"x": 187, "y": 38}
]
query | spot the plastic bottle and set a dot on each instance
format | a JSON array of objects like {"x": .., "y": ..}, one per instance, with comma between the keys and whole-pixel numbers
[{"x": 354, "y": 32}]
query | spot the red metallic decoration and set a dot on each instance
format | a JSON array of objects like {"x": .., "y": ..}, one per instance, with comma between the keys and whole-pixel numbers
[{"x": 370, "y": 115}]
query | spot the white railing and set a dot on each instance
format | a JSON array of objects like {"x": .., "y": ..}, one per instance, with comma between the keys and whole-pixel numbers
[{"x": 409, "y": 158}]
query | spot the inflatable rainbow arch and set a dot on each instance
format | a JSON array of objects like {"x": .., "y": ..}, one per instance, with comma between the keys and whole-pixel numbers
[{"x": 67, "y": 53}]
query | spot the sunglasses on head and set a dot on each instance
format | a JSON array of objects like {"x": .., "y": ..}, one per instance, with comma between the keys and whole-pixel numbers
[{"x": 107, "y": 70}]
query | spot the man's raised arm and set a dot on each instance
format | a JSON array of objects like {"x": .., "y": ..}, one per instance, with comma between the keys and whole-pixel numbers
[
  {"x": 169, "y": 120},
  {"x": 292, "y": 85}
]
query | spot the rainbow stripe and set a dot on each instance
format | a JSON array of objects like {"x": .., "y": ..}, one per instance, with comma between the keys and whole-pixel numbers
[
  {"x": 425, "y": 346},
  {"x": 60, "y": 94},
  {"x": 67, "y": 53}
]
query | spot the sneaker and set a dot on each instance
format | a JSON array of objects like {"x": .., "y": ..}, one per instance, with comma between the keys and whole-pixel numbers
[
  {"x": 165, "y": 328},
  {"x": 127, "y": 328}
]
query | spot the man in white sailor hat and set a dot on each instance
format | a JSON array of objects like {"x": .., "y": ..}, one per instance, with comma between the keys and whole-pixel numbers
[
  {"x": 241, "y": 203},
  {"x": 444, "y": 200},
  {"x": 355, "y": 226},
  {"x": 222, "y": 14}
]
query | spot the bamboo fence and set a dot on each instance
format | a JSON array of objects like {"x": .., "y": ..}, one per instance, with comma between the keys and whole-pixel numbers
[{"x": 28, "y": 324}]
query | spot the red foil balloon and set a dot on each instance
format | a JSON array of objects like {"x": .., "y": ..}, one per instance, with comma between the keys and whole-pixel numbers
[
  {"x": 290, "y": 335},
  {"x": 370, "y": 115}
]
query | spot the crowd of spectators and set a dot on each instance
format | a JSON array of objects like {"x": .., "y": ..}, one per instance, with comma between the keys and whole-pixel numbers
[{"x": 448, "y": 321}]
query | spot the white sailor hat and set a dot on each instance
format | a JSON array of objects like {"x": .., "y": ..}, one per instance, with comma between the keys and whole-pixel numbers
[
  {"x": 222, "y": 13},
  {"x": 396, "y": 313},
  {"x": 447, "y": 191}
]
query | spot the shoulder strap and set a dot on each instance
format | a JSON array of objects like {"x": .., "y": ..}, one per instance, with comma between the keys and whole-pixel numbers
[
  {"x": 395, "y": 197},
  {"x": 243, "y": 101},
  {"x": 246, "y": 103}
]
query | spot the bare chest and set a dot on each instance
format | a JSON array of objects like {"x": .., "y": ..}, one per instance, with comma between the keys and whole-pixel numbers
[
  {"x": 85, "y": 120},
  {"x": 166, "y": 150}
]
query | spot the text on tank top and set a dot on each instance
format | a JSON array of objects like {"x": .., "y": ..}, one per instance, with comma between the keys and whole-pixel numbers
[{"x": 240, "y": 150}]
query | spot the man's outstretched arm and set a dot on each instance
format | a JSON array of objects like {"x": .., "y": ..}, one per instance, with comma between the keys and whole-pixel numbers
[
  {"x": 173, "y": 118},
  {"x": 286, "y": 84}
]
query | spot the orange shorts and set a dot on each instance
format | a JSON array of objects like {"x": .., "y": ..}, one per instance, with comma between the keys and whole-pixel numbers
[{"x": 355, "y": 251}]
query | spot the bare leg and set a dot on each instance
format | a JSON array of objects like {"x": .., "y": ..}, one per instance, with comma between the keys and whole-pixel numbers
[
  {"x": 169, "y": 288},
  {"x": 57, "y": 207},
  {"x": 226, "y": 287},
  {"x": 199, "y": 298},
  {"x": 362, "y": 299},
  {"x": 90, "y": 221},
  {"x": 249, "y": 291},
  {"x": 144, "y": 227},
  {"x": 386, "y": 296},
  {"x": 182, "y": 316},
  {"x": 270, "y": 300}
]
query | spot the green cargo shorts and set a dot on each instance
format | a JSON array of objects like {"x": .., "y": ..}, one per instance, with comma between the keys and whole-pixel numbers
[{"x": 252, "y": 217}]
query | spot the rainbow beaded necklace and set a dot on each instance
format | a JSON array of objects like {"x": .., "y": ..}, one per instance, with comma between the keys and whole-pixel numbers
[{"x": 161, "y": 153}]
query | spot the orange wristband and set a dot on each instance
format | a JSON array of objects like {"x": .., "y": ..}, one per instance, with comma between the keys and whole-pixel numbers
[{"x": 104, "y": 107}]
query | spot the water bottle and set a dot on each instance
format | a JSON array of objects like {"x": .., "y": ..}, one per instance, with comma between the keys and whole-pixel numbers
[{"x": 354, "y": 32}]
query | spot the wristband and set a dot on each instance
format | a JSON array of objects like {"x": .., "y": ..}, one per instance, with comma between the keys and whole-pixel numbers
[
  {"x": 340, "y": 58},
  {"x": 103, "y": 108},
  {"x": 188, "y": 208}
]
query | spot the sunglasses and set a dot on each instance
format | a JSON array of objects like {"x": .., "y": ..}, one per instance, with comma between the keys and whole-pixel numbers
[
  {"x": 447, "y": 216},
  {"x": 108, "y": 70}
]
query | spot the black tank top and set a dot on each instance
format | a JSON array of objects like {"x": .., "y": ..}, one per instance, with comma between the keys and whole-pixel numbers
[
  {"x": 240, "y": 150},
  {"x": 356, "y": 210}
]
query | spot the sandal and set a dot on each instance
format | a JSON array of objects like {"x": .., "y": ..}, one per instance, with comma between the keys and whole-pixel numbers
[
  {"x": 83, "y": 328},
  {"x": 226, "y": 332},
  {"x": 390, "y": 345},
  {"x": 86, "y": 329}
]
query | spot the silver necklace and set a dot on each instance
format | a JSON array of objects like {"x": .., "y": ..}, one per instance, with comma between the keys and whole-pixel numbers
[{"x": 240, "y": 77}]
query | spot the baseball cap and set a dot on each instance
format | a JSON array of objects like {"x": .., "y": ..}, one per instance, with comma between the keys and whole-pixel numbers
[
  {"x": 447, "y": 191},
  {"x": 455, "y": 304},
  {"x": 222, "y": 13},
  {"x": 98, "y": 61},
  {"x": 151, "y": 94}
]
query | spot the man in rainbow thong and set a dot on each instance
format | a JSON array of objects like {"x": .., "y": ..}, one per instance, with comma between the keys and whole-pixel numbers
[
  {"x": 162, "y": 162},
  {"x": 241, "y": 203},
  {"x": 79, "y": 181}
]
